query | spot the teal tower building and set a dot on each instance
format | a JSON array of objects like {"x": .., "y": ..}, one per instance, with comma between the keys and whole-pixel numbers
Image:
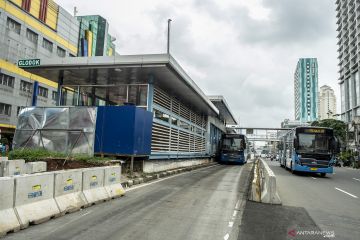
[{"x": 306, "y": 90}]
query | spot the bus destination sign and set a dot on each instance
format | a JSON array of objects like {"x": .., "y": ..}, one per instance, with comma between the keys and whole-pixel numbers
[
  {"x": 29, "y": 63},
  {"x": 314, "y": 130}
]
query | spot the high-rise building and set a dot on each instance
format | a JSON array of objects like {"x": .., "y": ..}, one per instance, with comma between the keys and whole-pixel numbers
[
  {"x": 94, "y": 37},
  {"x": 348, "y": 38},
  {"x": 327, "y": 103},
  {"x": 306, "y": 90}
]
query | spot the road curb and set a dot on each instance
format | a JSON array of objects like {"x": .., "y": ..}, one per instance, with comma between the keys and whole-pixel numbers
[{"x": 158, "y": 175}]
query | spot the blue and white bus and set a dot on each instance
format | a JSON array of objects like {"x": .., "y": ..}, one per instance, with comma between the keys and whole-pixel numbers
[
  {"x": 233, "y": 149},
  {"x": 309, "y": 149}
]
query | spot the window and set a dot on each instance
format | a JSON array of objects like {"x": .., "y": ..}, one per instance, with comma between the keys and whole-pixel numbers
[
  {"x": 160, "y": 115},
  {"x": 7, "y": 80},
  {"x": 5, "y": 109},
  {"x": 26, "y": 4},
  {"x": 19, "y": 110},
  {"x": 174, "y": 121},
  {"x": 60, "y": 52},
  {"x": 43, "y": 10},
  {"x": 43, "y": 92},
  {"x": 13, "y": 25},
  {"x": 184, "y": 125},
  {"x": 25, "y": 86},
  {"x": 31, "y": 36},
  {"x": 54, "y": 95},
  {"x": 47, "y": 45}
]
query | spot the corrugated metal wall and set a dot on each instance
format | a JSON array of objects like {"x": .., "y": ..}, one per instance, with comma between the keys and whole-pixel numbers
[{"x": 181, "y": 130}]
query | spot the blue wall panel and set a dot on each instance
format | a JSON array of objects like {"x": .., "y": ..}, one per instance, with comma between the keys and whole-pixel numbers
[{"x": 124, "y": 130}]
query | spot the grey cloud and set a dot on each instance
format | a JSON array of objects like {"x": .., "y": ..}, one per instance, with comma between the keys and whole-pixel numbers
[
  {"x": 290, "y": 22},
  {"x": 253, "y": 70}
]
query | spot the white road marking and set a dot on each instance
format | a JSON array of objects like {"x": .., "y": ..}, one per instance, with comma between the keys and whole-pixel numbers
[
  {"x": 313, "y": 177},
  {"x": 231, "y": 224},
  {"x": 234, "y": 214},
  {"x": 352, "y": 195},
  {"x": 71, "y": 221},
  {"x": 163, "y": 179},
  {"x": 226, "y": 237},
  {"x": 237, "y": 204},
  {"x": 356, "y": 179}
]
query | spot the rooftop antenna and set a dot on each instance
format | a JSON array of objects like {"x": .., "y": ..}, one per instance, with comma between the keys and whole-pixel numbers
[{"x": 75, "y": 11}]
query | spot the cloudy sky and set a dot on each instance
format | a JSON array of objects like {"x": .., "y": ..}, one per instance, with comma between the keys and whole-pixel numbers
[{"x": 246, "y": 50}]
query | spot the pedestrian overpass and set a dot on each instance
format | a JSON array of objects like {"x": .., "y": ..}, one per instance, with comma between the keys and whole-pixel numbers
[{"x": 259, "y": 134}]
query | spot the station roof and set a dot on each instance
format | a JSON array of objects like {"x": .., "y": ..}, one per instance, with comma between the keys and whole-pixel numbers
[
  {"x": 224, "y": 109},
  {"x": 127, "y": 69}
]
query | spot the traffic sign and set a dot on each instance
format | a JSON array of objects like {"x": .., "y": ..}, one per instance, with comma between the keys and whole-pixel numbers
[{"x": 29, "y": 63}]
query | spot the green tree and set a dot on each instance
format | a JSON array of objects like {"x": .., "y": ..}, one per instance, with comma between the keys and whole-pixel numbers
[{"x": 338, "y": 126}]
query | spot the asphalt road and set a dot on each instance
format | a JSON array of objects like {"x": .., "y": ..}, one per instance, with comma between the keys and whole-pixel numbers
[
  {"x": 203, "y": 204},
  {"x": 332, "y": 202}
]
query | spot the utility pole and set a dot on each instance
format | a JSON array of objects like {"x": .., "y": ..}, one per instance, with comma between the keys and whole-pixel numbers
[{"x": 168, "y": 36}]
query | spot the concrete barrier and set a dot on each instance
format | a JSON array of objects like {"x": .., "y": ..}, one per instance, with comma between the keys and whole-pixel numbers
[
  {"x": 255, "y": 194},
  {"x": 93, "y": 185},
  {"x": 34, "y": 198},
  {"x": 68, "y": 191},
  {"x": 269, "y": 192},
  {"x": 8, "y": 219},
  {"x": 12, "y": 167},
  {"x": 35, "y": 167},
  {"x": 112, "y": 182},
  {"x": 263, "y": 187}
]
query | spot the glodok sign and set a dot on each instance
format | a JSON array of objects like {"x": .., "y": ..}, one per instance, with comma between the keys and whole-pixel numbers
[{"x": 29, "y": 63}]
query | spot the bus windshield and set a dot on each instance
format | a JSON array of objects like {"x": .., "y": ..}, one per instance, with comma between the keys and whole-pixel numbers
[
  {"x": 313, "y": 142},
  {"x": 232, "y": 144}
]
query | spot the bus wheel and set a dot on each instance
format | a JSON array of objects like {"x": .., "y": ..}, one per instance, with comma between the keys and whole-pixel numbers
[
  {"x": 322, "y": 174},
  {"x": 291, "y": 168}
]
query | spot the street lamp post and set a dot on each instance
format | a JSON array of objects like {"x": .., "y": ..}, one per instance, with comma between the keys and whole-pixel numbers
[{"x": 168, "y": 36}]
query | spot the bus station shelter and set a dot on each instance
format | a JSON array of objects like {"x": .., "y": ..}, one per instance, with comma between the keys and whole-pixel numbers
[{"x": 183, "y": 114}]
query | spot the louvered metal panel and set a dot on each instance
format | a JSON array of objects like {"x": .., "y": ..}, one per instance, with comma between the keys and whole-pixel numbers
[
  {"x": 160, "y": 138},
  {"x": 184, "y": 112},
  {"x": 184, "y": 141},
  {"x": 175, "y": 106},
  {"x": 174, "y": 140},
  {"x": 162, "y": 99}
]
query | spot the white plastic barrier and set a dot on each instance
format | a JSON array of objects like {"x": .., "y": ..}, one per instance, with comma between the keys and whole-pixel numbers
[
  {"x": 8, "y": 219},
  {"x": 3, "y": 158},
  {"x": 112, "y": 181},
  {"x": 93, "y": 185},
  {"x": 35, "y": 167},
  {"x": 12, "y": 167},
  {"x": 68, "y": 191},
  {"x": 34, "y": 198}
]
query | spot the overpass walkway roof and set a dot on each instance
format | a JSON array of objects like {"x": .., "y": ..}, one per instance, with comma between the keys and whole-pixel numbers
[{"x": 161, "y": 69}]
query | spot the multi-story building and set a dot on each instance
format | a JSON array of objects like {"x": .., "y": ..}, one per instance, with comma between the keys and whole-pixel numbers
[
  {"x": 327, "y": 103},
  {"x": 94, "y": 37},
  {"x": 306, "y": 90},
  {"x": 31, "y": 29},
  {"x": 348, "y": 40}
]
